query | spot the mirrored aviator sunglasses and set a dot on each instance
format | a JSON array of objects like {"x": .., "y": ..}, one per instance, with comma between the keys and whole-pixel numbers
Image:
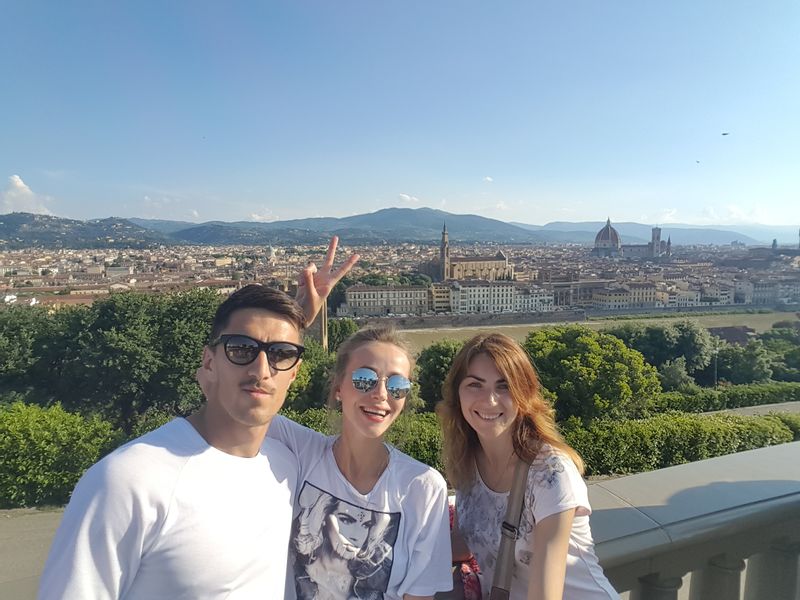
[
  {"x": 242, "y": 350},
  {"x": 365, "y": 380}
]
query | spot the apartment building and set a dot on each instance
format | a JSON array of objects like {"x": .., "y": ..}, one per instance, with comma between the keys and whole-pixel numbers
[{"x": 376, "y": 300}]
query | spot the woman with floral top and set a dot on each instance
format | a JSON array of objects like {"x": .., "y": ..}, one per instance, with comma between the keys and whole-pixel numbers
[{"x": 494, "y": 416}]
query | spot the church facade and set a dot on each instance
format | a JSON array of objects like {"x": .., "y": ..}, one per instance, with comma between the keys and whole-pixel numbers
[{"x": 487, "y": 268}]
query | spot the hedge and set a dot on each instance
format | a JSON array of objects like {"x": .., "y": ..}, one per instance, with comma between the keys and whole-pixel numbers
[
  {"x": 624, "y": 447},
  {"x": 44, "y": 451},
  {"x": 733, "y": 396}
]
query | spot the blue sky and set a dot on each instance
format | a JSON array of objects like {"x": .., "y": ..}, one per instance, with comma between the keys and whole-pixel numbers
[{"x": 523, "y": 111}]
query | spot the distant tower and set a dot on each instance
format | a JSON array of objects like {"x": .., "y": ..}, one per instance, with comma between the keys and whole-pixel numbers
[
  {"x": 655, "y": 242},
  {"x": 669, "y": 246},
  {"x": 774, "y": 244},
  {"x": 444, "y": 255}
]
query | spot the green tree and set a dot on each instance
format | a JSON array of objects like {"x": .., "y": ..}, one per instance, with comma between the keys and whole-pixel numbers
[
  {"x": 339, "y": 330},
  {"x": 743, "y": 364},
  {"x": 674, "y": 378},
  {"x": 783, "y": 343},
  {"x": 592, "y": 374},
  {"x": 183, "y": 322},
  {"x": 432, "y": 367},
  {"x": 20, "y": 329},
  {"x": 310, "y": 388},
  {"x": 694, "y": 343},
  {"x": 661, "y": 343}
]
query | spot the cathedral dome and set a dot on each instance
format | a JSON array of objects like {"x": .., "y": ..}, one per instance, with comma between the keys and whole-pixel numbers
[{"x": 607, "y": 237}]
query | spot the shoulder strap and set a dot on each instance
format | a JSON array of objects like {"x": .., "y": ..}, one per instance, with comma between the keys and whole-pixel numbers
[{"x": 501, "y": 584}]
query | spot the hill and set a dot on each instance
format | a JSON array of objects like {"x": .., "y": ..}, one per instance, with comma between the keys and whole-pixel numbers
[{"x": 388, "y": 225}]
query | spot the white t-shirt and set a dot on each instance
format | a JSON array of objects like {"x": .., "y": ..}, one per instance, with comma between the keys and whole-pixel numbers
[
  {"x": 169, "y": 517},
  {"x": 392, "y": 541},
  {"x": 554, "y": 485}
]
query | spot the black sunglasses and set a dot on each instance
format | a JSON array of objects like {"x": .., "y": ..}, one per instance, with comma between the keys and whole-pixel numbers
[
  {"x": 365, "y": 380},
  {"x": 242, "y": 350}
]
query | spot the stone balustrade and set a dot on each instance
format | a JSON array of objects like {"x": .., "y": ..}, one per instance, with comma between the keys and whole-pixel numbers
[{"x": 732, "y": 523}]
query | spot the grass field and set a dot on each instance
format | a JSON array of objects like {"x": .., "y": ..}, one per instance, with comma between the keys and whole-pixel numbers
[{"x": 419, "y": 338}]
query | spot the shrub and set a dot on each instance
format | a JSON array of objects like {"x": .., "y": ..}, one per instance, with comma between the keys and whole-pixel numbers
[
  {"x": 151, "y": 419},
  {"x": 732, "y": 396},
  {"x": 319, "y": 419},
  {"x": 620, "y": 447},
  {"x": 419, "y": 436},
  {"x": 792, "y": 421},
  {"x": 45, "y": 451}
]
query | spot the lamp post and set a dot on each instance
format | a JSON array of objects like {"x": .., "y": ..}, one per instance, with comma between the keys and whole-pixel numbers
[{"x": 716, "y": 353}]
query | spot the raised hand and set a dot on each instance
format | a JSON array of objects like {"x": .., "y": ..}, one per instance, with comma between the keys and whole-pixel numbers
[{"x": 314, "y": 284}]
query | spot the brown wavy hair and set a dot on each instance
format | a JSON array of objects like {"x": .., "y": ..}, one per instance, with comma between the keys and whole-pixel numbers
[{"x": 535, "y": 424}]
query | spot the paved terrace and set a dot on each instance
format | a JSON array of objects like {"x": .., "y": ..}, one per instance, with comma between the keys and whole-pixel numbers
[{"x": 720, "y": 529}]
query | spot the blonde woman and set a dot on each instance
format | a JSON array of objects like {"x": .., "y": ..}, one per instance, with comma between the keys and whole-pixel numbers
[
  {"x": 494, "y": 416},
  {"x": 372, "y": 522}
]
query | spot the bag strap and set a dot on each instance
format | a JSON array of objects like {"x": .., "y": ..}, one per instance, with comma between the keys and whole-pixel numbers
[{"x": 509, "y": 533}]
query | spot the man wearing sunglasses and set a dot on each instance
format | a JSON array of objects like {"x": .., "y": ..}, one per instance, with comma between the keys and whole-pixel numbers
[{"x": 201, "y": 507}]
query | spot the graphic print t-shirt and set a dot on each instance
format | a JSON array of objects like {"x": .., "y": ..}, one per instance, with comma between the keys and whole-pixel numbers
[{"x": 389, "y": 542}]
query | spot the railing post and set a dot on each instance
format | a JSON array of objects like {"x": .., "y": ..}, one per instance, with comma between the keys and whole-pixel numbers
[
  {"x": 773, "y": 574},
  {"x": 720, "y": 579},
  {"x": 653, "y": 587}
]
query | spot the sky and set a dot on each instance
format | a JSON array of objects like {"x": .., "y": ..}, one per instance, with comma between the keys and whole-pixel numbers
[{"x": 523, "y": 111}]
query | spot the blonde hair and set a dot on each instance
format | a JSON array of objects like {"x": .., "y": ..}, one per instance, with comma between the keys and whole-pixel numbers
[
  {"x": 535, "y": 423},
  {"x": 381, "y": 333}
]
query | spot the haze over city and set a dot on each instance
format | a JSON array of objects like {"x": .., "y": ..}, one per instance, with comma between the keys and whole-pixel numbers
[{"x": 525, "y": 112}]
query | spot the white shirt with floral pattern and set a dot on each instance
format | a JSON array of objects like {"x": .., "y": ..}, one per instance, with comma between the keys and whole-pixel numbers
[{"x": 554, "y": 485}]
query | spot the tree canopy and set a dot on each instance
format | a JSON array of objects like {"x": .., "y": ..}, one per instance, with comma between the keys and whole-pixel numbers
[{"x": 592, "y": 374}]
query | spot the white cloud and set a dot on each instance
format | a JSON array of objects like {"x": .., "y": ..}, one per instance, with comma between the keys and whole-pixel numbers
[
  {"x": 194, "y": 214},
  {"x": 501, "y": 205},
  {"x": 264, "y": 218},
  {"x": 733, "y": 214},
  {"x": 407, "y": 198},
  {"x": 488, "y": 179},
  {"x": 18, "y": 197}
]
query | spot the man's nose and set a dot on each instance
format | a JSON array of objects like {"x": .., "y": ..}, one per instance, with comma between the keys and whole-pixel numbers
[{"x": 260, "y": 367}]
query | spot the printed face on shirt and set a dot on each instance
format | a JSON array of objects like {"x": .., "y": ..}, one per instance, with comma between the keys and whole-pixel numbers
[
  {"x": 369, "y": 414},
  {"x": 348, "y": 529},
  {"x": 486, "y": 402},
  {"x": 248, "y": 395}
]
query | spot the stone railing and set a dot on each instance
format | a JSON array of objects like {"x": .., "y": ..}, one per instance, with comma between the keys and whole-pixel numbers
[{"x": 732, "y": 524}]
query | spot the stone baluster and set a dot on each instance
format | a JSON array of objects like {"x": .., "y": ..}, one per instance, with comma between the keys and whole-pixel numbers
[
  {"x": 774, "y": 574},
  {"x": 655, "y": 587},
  {"x": 720, "y": 579}
]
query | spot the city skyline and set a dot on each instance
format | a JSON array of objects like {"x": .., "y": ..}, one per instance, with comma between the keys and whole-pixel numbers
[{"x": 525, "y": 113}]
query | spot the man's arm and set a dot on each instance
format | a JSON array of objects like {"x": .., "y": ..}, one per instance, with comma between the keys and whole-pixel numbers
[
  {"x": 96, "y": 551},
  {"x": 314, "y": 284}
]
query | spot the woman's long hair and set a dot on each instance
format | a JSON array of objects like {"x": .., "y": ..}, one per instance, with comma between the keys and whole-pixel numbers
[{"x": 535, "y": 423}]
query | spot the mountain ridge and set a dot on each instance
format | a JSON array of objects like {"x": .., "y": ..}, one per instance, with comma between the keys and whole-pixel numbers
[{"x": 388, "y": 225}]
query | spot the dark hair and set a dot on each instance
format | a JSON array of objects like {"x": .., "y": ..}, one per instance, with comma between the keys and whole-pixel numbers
[
  {"x": 262, "y": 297},
  {"x": 380, "y": 333}
]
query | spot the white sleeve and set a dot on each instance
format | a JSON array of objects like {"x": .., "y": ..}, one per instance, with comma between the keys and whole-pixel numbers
[
  {"x": 303, "y": 442},
  {"x": 98, "y": 547},
  {"x": 429, "y": 566},
  {"x": 556, "y": 486}
]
